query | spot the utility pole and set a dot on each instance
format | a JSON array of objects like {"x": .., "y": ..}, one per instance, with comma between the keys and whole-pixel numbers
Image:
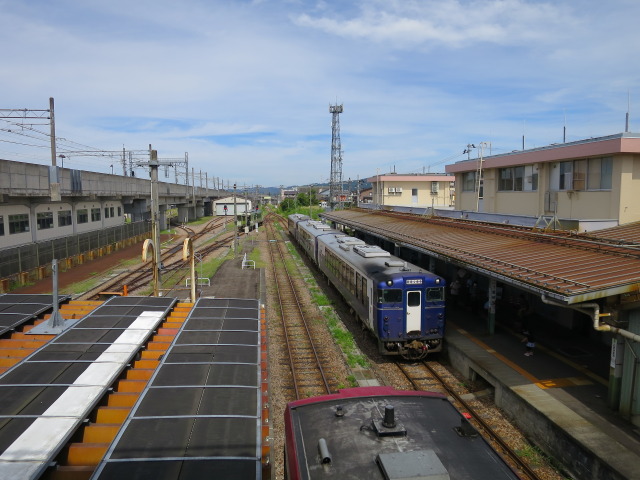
[
  {"x": 31, "y": 114},
  {"x": 155, "y": 206},
  {"x": 235, "y": 222},
  {"x": 52, "y": 124}
]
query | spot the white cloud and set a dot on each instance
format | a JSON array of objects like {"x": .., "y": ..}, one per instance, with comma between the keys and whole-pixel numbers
[
  {"x": 451, "y": 23},
  {"x": 244, "y": 87}
]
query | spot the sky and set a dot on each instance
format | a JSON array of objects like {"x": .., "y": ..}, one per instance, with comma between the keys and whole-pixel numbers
[{"x": 243, "y": 88}]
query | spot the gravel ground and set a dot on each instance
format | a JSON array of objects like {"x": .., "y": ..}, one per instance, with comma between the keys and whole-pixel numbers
[
  {"x": 385, "y": 371},
  {"x": 279, "y": 369}
]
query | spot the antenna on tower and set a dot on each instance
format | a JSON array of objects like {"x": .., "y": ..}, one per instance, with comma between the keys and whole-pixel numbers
[{"x": 335, "y": 181}]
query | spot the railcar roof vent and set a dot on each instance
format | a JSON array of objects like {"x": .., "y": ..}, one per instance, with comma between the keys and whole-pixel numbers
[
  {"x": 370, "y": 251},
  {"x": 346, "y": 240},
  {"x": 387, "y": 426},
  {"x": 321, "y": 226},
  {"x": 415, "y": 465},
  {"x": 394, "y": 263}
]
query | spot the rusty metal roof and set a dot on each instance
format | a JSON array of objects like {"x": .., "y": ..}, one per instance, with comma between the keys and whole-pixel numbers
[{"x": 571, "y": 268}]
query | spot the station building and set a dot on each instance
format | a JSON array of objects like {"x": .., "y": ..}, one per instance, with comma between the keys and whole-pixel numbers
[
  {"x": 436, "y": 191},
  {"x": 595, "y": 182},
  {"x": 227, "y": 206}
]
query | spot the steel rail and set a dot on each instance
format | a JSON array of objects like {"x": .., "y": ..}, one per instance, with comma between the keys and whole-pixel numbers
[
  {"x": 487, "y": 432},
  {"x": 282, "y": 281}
]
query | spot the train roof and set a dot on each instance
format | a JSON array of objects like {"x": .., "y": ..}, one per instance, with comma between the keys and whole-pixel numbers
[
  {"x": 371, "y": 259},
  {"x": 352, "y": 434}
]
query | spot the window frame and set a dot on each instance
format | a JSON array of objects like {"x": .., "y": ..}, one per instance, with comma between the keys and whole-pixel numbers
[
  {"x": 20, "y": 220},
  {"x": 65, "y": 218},
  {"x": 82, "y": 215}
]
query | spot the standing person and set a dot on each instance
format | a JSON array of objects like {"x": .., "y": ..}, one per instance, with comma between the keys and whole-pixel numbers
[
  {"x": 524, "y": 309},
  {"x": 530, "y": 344},
  {"x": 454, "y": 289},
  {"x": 473, "y": 297}
]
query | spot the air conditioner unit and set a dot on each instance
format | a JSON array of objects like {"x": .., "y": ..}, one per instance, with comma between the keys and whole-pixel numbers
[
  {"x": 392, "y": 190},
  {"x": 398, "y": 189}
]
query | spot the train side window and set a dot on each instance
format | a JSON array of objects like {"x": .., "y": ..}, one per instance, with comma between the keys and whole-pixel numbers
[
  {"x": 390, "y": 296},
  {"x": 435, "y": 294},
  {"x": 1, "y": 225}
]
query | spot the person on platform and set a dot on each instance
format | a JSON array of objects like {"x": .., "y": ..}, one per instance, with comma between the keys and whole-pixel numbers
[{"x": 530, "y": 344}]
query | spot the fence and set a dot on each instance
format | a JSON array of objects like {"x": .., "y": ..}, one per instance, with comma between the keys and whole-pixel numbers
[{"x": 25, "y": 262}]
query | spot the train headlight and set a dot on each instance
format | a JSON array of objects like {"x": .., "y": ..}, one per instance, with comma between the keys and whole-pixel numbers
[
  {"x": 438, "y": 281},
  {"x": 389, "y": 282}
]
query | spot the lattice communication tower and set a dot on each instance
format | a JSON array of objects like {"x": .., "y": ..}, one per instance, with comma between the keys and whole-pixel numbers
[{"x": 335, "y": 182}]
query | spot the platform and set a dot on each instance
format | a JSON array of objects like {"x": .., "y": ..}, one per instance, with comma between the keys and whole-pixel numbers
[{"x": 557, "y": 396}]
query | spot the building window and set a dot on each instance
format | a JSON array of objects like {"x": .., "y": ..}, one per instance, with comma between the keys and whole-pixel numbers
[
  {"x": 586, "y": 174},
  {"x": 566, "y": 175},
  {"x": 119, "y": 211},
  {"x": 83, "y": 215},
  {"x": 95, "y": 214},
  {"x": 523, "y": 178},
  {"x": 18, "y": 223},
  {"x": 505, "y": 181},
  {"x": 469, "y": 182},
  {"x": 44, "y": 220},
  {"x": 1, "y": 225},
  {"x": 111, "y": 211},
  {"x": 64, "y": 218},
  {"x": 530, "y": 178},
  {"x": 599, "y": 173}
]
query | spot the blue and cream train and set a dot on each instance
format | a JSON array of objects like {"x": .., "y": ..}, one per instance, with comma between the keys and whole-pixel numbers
[{"x": 400, "y": 303}]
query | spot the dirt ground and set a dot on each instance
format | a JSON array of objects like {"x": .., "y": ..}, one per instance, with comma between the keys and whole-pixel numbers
[{"x": 88, "y": 269}]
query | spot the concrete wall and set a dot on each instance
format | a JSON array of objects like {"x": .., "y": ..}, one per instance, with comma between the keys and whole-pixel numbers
[{"x": 36, "y": 234}]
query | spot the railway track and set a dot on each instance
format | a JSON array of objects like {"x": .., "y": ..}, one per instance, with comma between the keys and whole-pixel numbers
[
  {"x": 171, "y": 260},
  {"x": 423, "y": 376},
  {"x": 308, "y": 377}
]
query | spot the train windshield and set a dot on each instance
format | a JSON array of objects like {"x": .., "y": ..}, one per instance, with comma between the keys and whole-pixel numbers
[
  {"x": 435, "y": 294},
  {"x": 390, "y": 296}
]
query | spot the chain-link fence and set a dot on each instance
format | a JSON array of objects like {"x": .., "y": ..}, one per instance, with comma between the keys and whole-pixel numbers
[{"x": 29, "y": 257}]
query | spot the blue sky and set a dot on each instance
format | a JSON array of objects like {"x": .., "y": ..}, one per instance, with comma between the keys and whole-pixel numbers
[{"x": 244, "y": 87}]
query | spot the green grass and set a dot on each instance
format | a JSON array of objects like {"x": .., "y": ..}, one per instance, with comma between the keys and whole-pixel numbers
[
  {"x": 255, "y": 256},
  {"x": 200, "y": 221},
  {"x": 531, "y": 454},
  {"x": 344, "y": 340},
  {"x": 341, "y": 336}
]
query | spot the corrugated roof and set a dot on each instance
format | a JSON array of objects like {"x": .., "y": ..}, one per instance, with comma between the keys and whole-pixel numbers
[{"x": 568, "y": 267}]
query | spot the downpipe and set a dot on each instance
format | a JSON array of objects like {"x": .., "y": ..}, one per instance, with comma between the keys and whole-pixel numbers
[{"x": 593, "y": 310}]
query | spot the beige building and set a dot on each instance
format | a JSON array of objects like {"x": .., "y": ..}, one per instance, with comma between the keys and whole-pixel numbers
[
  {"x": 597, "y": 180},
  {"x": 413, "y": 190}
]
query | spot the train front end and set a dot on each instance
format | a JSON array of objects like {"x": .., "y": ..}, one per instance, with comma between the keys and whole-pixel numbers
[{"x": 410, "y": 314}]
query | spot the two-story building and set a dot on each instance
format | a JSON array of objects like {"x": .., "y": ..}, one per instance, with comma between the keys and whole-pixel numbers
[
  {"x": 596, "y": 181},
  {"x": 434, "y": 190}
]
